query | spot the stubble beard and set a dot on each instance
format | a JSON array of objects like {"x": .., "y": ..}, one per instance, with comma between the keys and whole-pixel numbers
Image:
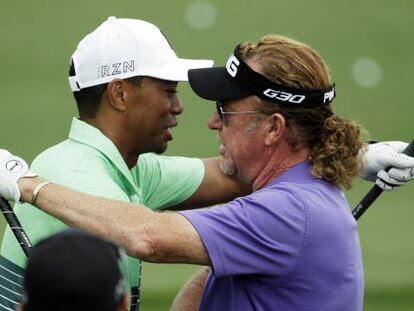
[{"x": 227, "y": 166}]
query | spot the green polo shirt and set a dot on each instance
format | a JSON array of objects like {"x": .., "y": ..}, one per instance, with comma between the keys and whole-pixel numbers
[{"x": 89, "y": 162}]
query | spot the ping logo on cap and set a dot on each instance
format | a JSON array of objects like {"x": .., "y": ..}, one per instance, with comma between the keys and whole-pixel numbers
[
  {"x": 14, "y": 166},
  {"x": 328, "y": 96},
  {"x": 116, "y": 69},
  {"x": 231, "y": 65}
]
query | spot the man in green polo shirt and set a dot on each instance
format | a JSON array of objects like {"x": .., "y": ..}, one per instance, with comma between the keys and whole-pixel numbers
[{"x": 124, "y": 77}]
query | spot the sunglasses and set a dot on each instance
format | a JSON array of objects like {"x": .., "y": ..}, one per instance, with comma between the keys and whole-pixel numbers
[{"x": 221, "y": 113}]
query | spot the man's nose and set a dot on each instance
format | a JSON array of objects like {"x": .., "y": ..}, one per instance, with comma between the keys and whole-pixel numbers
[
  {"x": 214, "y": 122},
  {"x": 177, "y": 107}
]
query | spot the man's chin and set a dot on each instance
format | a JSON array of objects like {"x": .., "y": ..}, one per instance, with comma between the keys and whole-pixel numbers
[
  {"x": 227, "y": 167},
  {"x": 160, "y": 149}
]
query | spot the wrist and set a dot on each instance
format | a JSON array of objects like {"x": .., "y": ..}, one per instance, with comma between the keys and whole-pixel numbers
[{"x": 27, "y": 185}]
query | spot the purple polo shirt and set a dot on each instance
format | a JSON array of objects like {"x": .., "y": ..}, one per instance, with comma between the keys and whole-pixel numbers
[{"x": 292, "y": 245}]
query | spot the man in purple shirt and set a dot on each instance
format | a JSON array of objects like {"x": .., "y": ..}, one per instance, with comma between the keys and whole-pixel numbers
[
  {"x": 290, "y": 245},
  {"x": 293, "y": 243}
]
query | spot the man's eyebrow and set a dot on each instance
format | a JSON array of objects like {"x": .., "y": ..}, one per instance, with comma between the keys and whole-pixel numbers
[
  {"x": 172, "y": 83},
  {"x": 170, "y": 88}
]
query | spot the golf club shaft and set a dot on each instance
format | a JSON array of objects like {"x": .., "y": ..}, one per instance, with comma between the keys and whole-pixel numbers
[
  {"x": 375, "y": 191},
  {"x": 15, "y": 226}
]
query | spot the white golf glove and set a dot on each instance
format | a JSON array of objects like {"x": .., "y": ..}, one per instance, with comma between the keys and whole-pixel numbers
[
  {"x": 12, "y": 168},
  {"x": 379, "y": 156}
]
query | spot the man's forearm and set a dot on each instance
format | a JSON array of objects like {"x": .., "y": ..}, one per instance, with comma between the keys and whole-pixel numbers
[
  {"x": 189, "y": 297},
  {"x": 156, "y": 237},
  {"x": 87, "y": 212}
]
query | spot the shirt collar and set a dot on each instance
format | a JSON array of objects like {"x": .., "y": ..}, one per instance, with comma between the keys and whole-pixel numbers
[
  {"x": 89, "y": 135},
  {"x": 296, "y": 174}
]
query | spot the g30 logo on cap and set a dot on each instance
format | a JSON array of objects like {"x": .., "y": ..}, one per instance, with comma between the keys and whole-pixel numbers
[
  {"x": 231, "y": 65},
  {"x": 284, "y": 96},
  {"x": 14, "y": 166}
]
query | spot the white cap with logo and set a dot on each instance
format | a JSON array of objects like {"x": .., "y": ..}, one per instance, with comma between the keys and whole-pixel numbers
[{"x": 123, "y": 48}]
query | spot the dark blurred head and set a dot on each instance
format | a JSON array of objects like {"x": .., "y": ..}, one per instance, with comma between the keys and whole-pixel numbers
[{"x": 73, "y": 270}]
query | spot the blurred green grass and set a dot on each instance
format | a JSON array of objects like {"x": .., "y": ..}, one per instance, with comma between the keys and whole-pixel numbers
[{"x": 38, "y": 37}]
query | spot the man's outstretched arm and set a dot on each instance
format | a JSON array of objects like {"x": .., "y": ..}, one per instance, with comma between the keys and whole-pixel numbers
[{"x": 151, "y": 236}]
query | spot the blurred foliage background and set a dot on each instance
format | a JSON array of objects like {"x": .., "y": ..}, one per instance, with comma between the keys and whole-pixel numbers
[{"x": 368, "y": 45}]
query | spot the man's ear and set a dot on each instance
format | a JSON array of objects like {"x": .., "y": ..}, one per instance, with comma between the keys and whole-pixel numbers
[
  {"x": 275, "y": 129},
  {"x": 116, "y": 94}
]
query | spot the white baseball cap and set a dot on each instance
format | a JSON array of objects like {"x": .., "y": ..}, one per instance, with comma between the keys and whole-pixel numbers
[{"x": 123, "y": 48}]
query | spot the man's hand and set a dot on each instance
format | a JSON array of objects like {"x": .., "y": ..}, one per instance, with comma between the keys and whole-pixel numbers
[
  {"x": 380, "y": 156},
  {"x": 12, "y": 168}
]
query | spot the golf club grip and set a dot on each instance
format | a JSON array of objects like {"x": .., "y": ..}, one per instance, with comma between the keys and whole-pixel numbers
[
  {"x": 375, "y": 191},
  {"x": 15, "y": 226}
]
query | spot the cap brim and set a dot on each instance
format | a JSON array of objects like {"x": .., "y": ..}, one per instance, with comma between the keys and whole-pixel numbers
[
  {"x": 177, "y": 70},
  {"x": 214, "y": 84}
]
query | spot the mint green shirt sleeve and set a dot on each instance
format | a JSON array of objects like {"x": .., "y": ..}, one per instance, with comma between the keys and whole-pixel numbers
[{"x": 167, "y": 181}]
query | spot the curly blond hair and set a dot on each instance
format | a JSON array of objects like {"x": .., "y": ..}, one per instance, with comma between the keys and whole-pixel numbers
[{"x": 335, "y": 142}]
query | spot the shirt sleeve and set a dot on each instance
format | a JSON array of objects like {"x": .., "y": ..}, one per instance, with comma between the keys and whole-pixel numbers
[
  {"x": 167, "y": 181},
  {"x": 260, "y": 233}
]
